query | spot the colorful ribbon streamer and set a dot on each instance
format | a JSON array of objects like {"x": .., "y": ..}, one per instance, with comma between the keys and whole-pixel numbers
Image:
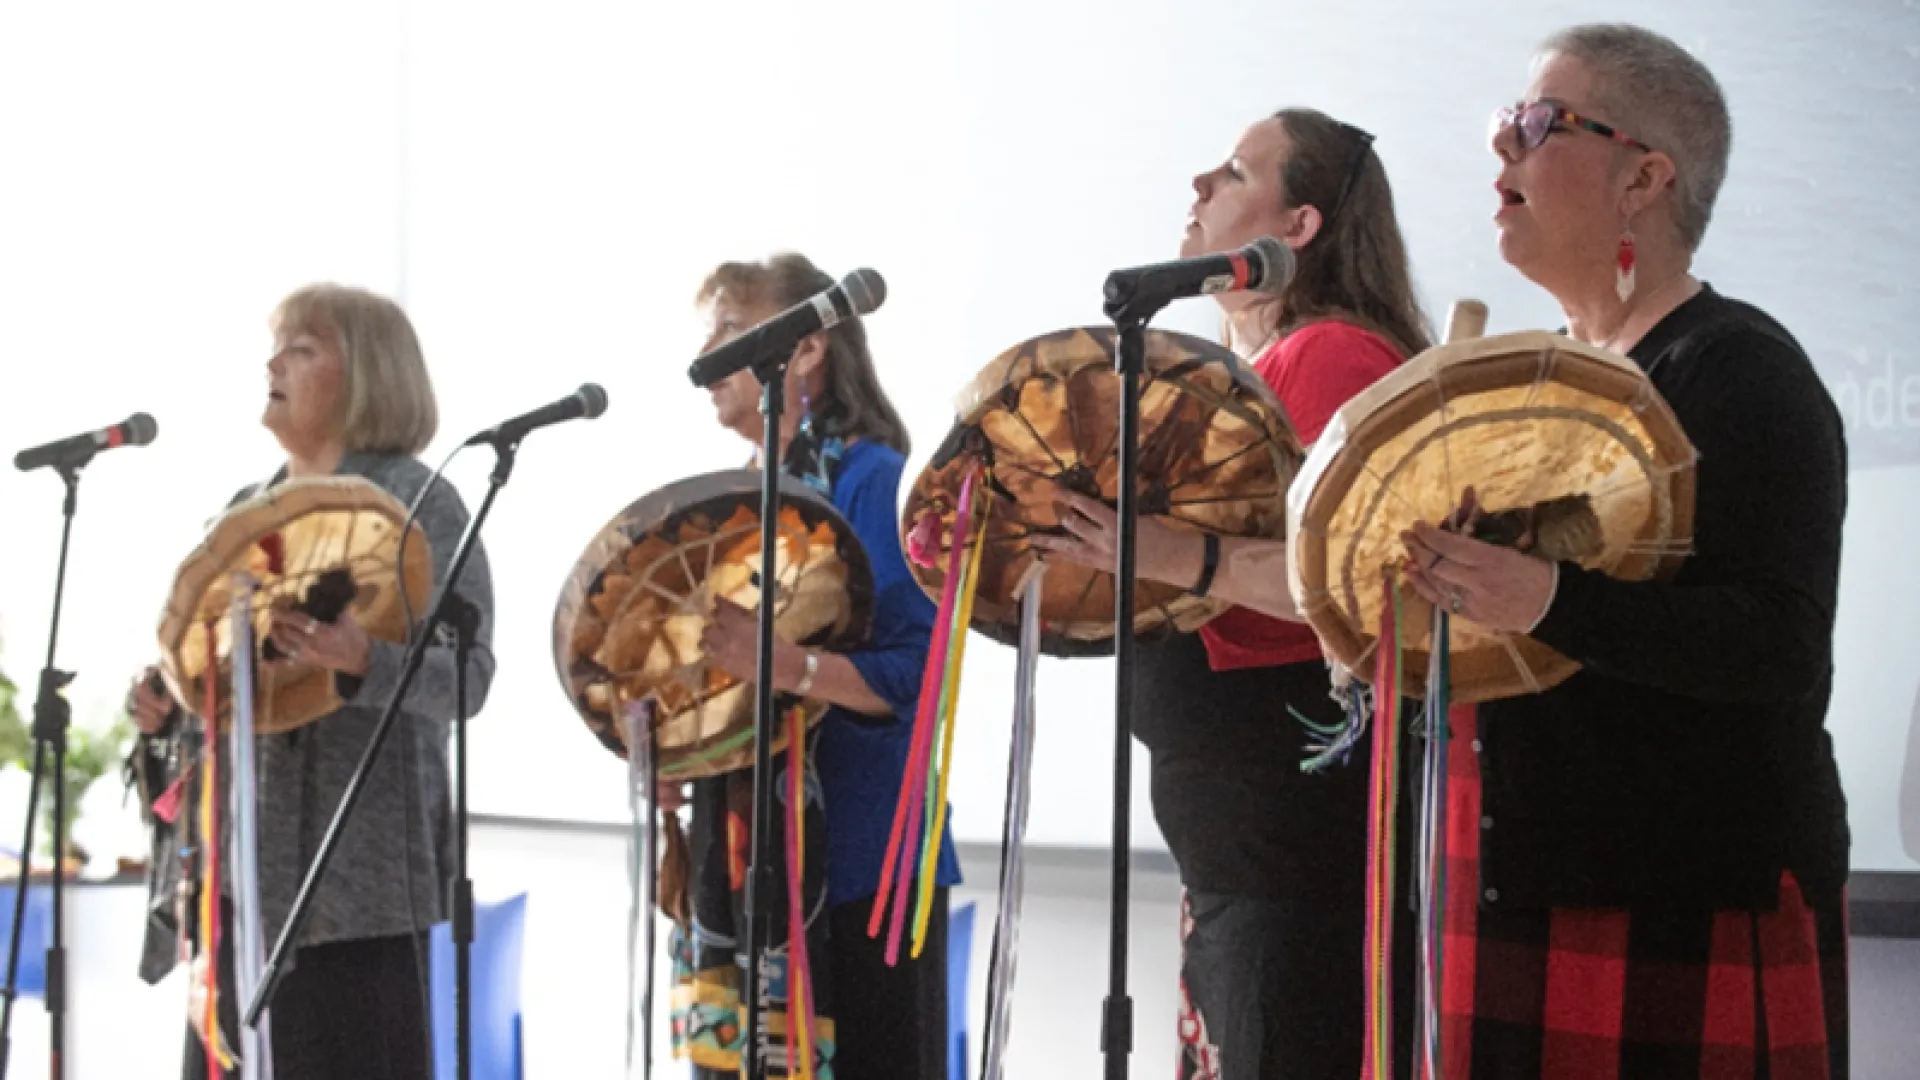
[
  {"x": 1433, "y": 847},
  {"x": 800, "y": 1028},
  {"x": 1377, "y": 1062},
  {"x": 949, "y": 719},
  {"x": 643, "y": 800},
  {"x": 207, "y": 1022},
  {"x": 938, "y": 692},
  {"x": 1429, "y": 855},
  {"x": 1004, "y": 957},
  {"x": 922, "y": 725},
  {"x": 249, "y": 953}
]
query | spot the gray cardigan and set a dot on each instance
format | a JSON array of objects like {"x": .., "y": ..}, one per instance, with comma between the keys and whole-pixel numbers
[{"x": 390, "y": 871}]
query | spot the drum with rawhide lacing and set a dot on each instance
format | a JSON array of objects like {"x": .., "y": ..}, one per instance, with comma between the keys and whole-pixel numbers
[
  {"x": 1216, "y": 454},
  {"x": 320, "y": 545},
  {"x": 1571, "y": 453},
  {"x": 627, "y": 627}
]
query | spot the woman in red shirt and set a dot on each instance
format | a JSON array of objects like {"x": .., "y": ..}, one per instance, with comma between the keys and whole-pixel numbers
[{"x": 1271, "y": 856}]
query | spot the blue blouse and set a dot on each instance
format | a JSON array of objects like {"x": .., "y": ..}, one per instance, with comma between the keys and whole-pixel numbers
[{"x": 861, "y": 759}]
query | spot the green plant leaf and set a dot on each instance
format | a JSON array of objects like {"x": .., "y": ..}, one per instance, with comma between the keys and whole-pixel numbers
[{"x": 16, "y": 743}]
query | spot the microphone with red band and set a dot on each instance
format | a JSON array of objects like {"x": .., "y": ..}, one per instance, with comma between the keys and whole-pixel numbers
[
  {"x": 75, "y": 451},
  {"x": 1264, "y": 266}
]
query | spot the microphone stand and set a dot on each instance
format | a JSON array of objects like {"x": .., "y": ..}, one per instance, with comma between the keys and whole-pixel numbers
[
  {"x": 51, "y": 718},
  {"x": 772, "y": 373},
  {"x": 445, "y": 609},
  {"x": 463, "y": 619},
  {"x": 1130, "y": 316}
]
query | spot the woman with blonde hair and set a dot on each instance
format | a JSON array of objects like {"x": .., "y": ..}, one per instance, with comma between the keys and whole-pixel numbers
[{"x": 348, "y": 394}]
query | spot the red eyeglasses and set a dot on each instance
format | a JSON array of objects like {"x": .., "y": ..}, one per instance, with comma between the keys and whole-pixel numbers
[{"x": 1535, "y": 120}]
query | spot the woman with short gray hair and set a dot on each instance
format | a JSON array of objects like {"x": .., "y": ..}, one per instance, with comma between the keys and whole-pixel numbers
[{"x": 1659, "y": 844}]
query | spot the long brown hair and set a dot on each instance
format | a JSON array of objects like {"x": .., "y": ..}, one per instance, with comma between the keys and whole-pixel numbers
[
  {"x": 851, "y": 403},
  {"x": 1356, "y": 267}
]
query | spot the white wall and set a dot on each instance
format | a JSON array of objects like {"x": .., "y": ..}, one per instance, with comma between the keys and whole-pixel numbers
[{"x": 544, "y": 188}]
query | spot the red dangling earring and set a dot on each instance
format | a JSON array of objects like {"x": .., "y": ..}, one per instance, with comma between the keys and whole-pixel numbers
[{"x": 1623, "y": 262}]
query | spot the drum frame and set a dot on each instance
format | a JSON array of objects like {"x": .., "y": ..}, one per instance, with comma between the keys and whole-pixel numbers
[
  {"x": 1451, "y": 373},
  {"x": 1166, "y": 356},
  {"x": 663, "y": 508},
  {"x": 220, "y": 553}
]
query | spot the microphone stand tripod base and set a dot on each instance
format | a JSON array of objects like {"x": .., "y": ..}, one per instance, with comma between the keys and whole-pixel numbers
[{"x": 52, "y": 717}]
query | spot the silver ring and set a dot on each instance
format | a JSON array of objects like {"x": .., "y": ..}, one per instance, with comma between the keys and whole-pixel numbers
[{"x": 1454, "y": 602}]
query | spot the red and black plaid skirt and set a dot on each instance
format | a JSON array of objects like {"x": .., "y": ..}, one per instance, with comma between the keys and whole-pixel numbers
[{"x": 1573, "y": 994}]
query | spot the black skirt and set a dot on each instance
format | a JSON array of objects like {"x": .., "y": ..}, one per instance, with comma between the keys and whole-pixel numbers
[{"x": 348, "y": 1008}]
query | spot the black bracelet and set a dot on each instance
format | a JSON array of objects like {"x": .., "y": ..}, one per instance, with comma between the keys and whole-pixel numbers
[{"x": 1209, "y": 562}]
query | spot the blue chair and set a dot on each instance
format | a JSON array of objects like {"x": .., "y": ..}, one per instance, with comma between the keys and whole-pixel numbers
[
  {"x": 33, "y": 939},
  {"x": 959, "y": 955},
  {"x": 498, "y": 931}
]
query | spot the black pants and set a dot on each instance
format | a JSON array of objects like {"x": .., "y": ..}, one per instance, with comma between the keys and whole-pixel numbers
[
  {"x": 1270, "y": 992},
  {"x": 893, "y": 1020},
  {"x": 350, "y": 1009},
  {"x": 1274, "y": 862}
]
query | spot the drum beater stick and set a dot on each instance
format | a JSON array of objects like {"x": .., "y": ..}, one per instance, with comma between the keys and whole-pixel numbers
[{"x": 51, "y": 718}]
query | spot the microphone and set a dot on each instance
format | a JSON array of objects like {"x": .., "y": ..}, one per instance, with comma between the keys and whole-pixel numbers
[
  {"x": 589, "y": 401},
  {"x": 75, "y": 451},
  {"x": 1266, "y": 265},
  {"x": 859, "y": 293}
]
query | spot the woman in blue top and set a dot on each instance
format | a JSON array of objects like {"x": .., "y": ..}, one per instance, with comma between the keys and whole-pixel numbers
[{"x": 846, "y": 440}]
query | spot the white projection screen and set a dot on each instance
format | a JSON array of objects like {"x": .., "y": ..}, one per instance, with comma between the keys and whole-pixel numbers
[{"x": 544, "y": 187}]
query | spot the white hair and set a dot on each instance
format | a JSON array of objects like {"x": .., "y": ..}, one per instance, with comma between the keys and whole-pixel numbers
[{"x": 1658, "y": 93}]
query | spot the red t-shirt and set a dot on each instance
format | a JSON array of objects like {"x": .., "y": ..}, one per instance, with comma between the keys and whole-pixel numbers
[{"x": 1313, "y": 371}]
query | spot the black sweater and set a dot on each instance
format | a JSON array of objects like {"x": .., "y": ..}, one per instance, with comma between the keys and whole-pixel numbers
[{"x": 1687, "y": 763}]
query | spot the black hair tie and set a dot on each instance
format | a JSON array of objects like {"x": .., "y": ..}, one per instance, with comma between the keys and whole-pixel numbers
[{"x": 1209, "y": 562}]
